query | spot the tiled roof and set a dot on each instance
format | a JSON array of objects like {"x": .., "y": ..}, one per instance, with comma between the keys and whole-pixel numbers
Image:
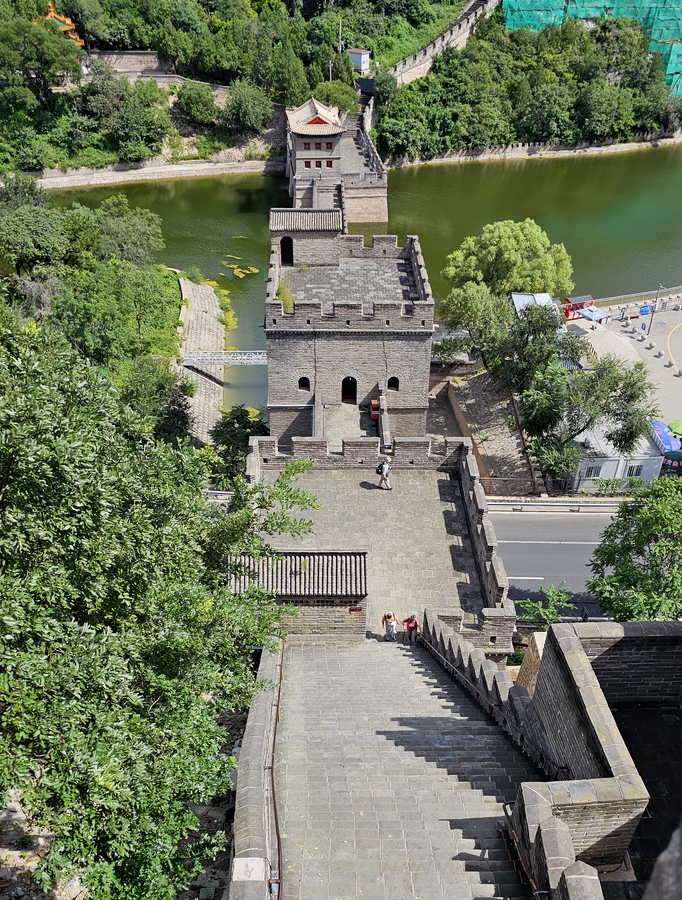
[
  {"x": 300, "y": 118},
  {"x": 306, "y": 220},
  {"x": 307, "y": 573}
]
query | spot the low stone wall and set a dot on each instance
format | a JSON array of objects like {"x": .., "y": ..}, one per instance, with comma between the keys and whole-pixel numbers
[
  {"x": 622, "y": 654},
  {"x": 326, "y": 621},
  {"x": 563, "y": 829},
  {"x": 255, "y": 846}
]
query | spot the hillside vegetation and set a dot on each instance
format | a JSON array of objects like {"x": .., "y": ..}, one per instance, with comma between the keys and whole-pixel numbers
[
  {"x": 565, "y": 84},
  {"x": 264, "y": 51}
]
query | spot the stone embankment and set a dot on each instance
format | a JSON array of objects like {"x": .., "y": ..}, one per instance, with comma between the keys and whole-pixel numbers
[
  {"x": 539, "y": 151},
  {"x": 54, "y": 179}
]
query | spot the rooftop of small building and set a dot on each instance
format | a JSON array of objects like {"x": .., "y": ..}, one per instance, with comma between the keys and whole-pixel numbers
[
  {"x": 313, "y": 117},
  {"x": 522, "y": 300},
  {"x": 599, "y": 446},
  {"x": 286, "y": 219},
  {"x": 382, "y": 280}
]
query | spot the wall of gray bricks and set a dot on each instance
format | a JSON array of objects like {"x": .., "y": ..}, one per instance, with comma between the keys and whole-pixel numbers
[
  {"x": 326, "y": 621},
  {"x": 565, "y": 827},
  {"x": 621, "y": 655}
]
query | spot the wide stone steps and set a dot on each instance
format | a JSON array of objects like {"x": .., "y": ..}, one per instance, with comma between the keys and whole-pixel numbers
[{"x": 390, "y": 780}]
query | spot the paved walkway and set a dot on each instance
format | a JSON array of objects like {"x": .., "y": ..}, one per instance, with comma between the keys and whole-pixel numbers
[
  {"x": 390, "y": 780},
  {"x": 203, "y": 330},
  {"x": 418, "y": 548}
]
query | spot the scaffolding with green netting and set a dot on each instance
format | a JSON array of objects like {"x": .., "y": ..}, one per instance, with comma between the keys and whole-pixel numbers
[{"x": 663, "y": 22}]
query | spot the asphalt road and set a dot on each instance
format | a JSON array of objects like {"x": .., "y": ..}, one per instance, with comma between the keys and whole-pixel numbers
[{"x": 540, "y": 549}]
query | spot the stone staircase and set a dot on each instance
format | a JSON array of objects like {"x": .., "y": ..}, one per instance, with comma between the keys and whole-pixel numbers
[{"x": 391, "y": 780}]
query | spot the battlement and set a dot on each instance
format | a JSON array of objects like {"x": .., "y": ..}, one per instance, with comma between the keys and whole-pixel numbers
[{"x": 338, "y": 283}]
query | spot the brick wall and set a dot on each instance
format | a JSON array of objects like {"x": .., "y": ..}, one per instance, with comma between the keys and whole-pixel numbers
[
  {"x": 563, "y": 827},
  {"x": 326, "y": 359},
  {"x": 325, "y": 620},
  {"x": 636, "y": 662},
  {"x": 366, "y": 203}
]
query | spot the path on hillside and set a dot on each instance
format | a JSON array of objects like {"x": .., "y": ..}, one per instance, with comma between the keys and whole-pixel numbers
[{"x": 390, "y": 780}]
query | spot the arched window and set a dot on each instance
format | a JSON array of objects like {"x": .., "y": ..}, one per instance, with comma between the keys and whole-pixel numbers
[
  {"x": 349, "y": 390},
  {"x": 304, "y": 384},
  {"x": 286, "y": 251},
  {"x": 393, "y": 384}
]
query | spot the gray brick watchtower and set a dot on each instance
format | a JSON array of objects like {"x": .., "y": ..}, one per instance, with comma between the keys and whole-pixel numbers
[{"x": 345, "y": 324}]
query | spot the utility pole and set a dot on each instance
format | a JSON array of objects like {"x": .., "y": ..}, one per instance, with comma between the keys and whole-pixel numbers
[
  {"x": 339, "y": 43},
  {"x": 330, "y": 69},
  {"x": 653, "y": 311}
]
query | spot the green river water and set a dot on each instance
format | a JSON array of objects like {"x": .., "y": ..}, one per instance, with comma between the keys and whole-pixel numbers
[{"x": 619, "y": 215}]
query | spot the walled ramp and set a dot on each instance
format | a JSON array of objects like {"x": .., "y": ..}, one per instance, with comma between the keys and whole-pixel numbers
[
  {"x": 390, "y": 780},
  {"x": 418, "y": 548}
]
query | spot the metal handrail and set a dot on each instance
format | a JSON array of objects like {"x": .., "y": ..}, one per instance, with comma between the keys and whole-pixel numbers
[{"x": 562, "y": 771}]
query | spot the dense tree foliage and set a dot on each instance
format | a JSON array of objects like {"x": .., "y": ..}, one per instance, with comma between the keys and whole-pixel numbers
[
  {"x": 274, "y": 51},
  {"x": 637, "y": 567},
  {"x": 532, "y": 354},
  {"x": 230, "y": 436},
  {"x": 566, "y": 83},
  {"x": 121, "y": 639},
  {"x": 91, "y": 274}
]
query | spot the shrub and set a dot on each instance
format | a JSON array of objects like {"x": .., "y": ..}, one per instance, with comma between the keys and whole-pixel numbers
[
  {"x": 248, "y": 109},
  {"x": 196, "y": 102},
  {"x": 335, "y": 93}
]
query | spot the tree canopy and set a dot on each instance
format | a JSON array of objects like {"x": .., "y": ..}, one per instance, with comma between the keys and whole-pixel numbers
[
  {"x": 511, "y": 256},
  {"x": 564, "y": 84},
  {"x": 121, "y": 638},
  {"x": 637, "y": 567}
]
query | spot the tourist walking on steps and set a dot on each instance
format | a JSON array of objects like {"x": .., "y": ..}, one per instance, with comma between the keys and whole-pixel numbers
[
  {"x": 385, "y": 471},
  {"x": 412, "y": 627},
  {"x": 390, "y": 625}
]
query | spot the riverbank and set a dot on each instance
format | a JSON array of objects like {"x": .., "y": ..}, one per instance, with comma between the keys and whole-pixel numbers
[
  {"x": 536, "y": 151},
  {"x": 189, "y": 169}
]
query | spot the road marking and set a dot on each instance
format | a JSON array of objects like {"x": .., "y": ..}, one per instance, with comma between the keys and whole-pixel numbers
[
  {"x": 669, "y": 350},
  {"x": 584, "y": 543},
  {"x": 527, "y": 577}
]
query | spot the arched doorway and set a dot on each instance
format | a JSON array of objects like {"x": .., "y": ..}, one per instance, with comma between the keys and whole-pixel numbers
[
  {"x": 349, "y": 390},
  {"x": 286, "y": 251}
]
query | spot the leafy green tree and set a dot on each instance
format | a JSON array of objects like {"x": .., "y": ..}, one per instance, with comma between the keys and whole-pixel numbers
[
  {"x": 22, "y": 190},
  {"x": 611, "y": 395},
  {"x": 479, "y": 316},
  {"x": 231, "y": 438},
  {"x": 101, "y": 96},
  {"x": 336, "y": 93},
  {"x": 607, "y": 111},
  {"x": 138, "y": 129},
  {"x": 149, "y": 386},
  {"x": 549, "y": 611},
  {"x": 248, "y": 110},
  {"x": 121, "y": 636},
  {"x": 532, "y": 343},
  {"x": 545, "y": 113},
  {"x": 289, "y": 76},
  {"x": 32, "y": 235},
  {"x": 511, "y": 256},
  {"x": 196, "y": 102},
  {"x": 637, "y": 567},
  {"x": 38, "y": 57}
]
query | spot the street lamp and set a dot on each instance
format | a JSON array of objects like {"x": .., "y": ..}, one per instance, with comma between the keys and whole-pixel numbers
[{"x": 653, "y": 311}]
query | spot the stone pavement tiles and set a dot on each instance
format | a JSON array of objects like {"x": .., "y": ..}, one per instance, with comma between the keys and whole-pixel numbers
[
  {"x": 204, "y": 330},
  {"x": 419, "y": 552},
  {"x": 390, "y": 780}
]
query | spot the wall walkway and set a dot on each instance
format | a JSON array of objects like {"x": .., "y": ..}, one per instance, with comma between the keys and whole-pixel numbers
[{"x": 390, "y": 780}]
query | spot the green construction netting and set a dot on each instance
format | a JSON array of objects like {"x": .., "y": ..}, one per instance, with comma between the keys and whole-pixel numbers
[{"x": 662, "y": 20}]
